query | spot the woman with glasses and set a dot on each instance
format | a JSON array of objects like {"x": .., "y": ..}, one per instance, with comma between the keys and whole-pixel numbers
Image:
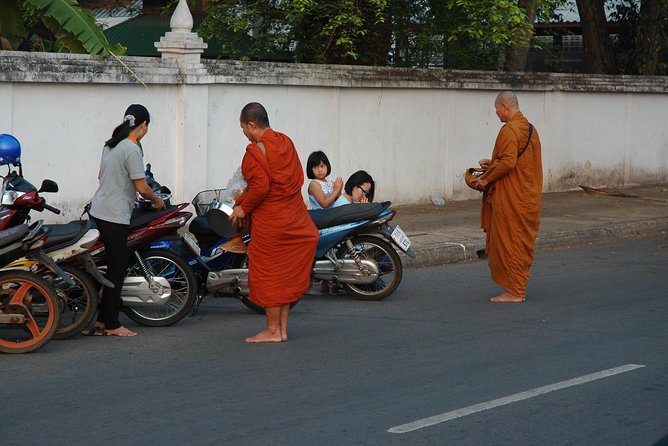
[{"x": 359, "y": 188}]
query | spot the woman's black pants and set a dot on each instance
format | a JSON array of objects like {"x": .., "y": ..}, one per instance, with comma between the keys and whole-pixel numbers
[{"x": 115, "y": 238}]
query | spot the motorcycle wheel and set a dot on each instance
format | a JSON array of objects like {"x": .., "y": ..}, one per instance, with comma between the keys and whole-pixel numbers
[
  {"x": 78, "y": 302},
  {"x": 30, "y": 296},
  {"x": 171, "y": 266},
  {"x": 242, "y": 262},
  {"x": 389, "y": 264}
]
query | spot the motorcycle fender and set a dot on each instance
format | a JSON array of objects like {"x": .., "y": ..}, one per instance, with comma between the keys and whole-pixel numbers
[
  {"x": 386, "y": 232},
  {"x": 49, "y": 263},
  {"x": 92, "y": 269}
]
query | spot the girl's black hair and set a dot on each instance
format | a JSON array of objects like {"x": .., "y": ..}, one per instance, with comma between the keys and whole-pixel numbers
[
  {"x": 314, "y": 159},
  {"x": 357, "y": 179},
  {"x": 139, "y": 114}
]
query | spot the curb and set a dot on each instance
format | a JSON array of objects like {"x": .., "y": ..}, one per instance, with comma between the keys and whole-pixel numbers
[{"x": 459, "y": 252}]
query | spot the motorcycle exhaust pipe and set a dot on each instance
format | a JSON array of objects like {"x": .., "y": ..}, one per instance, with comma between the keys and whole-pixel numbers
[{"x": 346, "y": 271}]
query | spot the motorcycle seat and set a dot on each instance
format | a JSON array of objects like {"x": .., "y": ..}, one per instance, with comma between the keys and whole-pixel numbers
[
  {"x": 13, "y": 234},
  {"x": 141, "y": 217},
  {"x": 61, "y": 235},
  {"x": 325, "y": 218},
  {"x": 200, "y": 225}
]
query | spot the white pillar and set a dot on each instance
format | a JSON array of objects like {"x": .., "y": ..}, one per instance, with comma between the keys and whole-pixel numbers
[{"x": 181, "y": 44}]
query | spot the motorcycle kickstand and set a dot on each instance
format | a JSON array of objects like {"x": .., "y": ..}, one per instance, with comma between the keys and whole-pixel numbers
[{"x": 198, "y": 301}]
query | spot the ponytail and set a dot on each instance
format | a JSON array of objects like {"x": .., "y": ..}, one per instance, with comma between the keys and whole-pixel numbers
[
  {"x": 120, "y": 133},
  {"x": 135, "y": 115}
]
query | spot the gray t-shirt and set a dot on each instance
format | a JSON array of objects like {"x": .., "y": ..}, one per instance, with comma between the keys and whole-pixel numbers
[{"x": 115, "y": 197}]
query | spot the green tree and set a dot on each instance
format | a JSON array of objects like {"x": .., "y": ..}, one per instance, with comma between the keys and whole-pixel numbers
[
  {"x": 73, "y": 27},
  {"x": 315, "y": 31},
  {"x": 599, "y": 56}
]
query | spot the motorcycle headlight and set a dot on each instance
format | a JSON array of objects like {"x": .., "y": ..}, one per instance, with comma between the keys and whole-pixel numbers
[{"x": 10, "y": 196}]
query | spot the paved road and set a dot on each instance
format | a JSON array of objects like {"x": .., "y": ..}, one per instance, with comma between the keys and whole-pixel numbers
[{"x": 353, "y": 371}]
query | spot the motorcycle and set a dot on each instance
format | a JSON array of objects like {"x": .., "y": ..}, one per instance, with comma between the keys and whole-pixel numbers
[
  {"x": 29, "y": 306},
  {"x": 159, "y": 288},
  {"x": 355, "y": 250},
  {"x": 68, "y": 245}
]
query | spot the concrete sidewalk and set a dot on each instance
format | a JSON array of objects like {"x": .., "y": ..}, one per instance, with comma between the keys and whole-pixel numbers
[{"x": 451, "y": 232}]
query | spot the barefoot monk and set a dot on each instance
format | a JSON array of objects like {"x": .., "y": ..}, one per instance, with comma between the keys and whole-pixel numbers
[
  {"x": 512, "y": 185},
  {"x": 283, "y": 236}
]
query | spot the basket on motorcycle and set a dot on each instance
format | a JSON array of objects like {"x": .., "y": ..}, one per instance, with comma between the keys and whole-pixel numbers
[{"x": 203, "y": 200}]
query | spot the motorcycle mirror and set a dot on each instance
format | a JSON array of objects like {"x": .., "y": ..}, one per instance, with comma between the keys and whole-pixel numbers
[{"x": 48, "y": 186}]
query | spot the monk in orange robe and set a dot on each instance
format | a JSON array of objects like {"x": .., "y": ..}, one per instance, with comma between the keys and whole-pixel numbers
[
  {"x": 512, "y": 185},
  {"x": 283, "y": 236}
]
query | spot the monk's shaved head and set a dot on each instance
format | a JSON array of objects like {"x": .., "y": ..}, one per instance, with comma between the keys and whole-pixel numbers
[
  {"x": 508, "y": 98},
  {"x": 255, "y": 112}
]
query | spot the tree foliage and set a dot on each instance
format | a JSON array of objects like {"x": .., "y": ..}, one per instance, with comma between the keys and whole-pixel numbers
[
  {"x": 73, "y": 27},
  {"x": 641, "y": 38},
  {"x": 398, "y": 32}
]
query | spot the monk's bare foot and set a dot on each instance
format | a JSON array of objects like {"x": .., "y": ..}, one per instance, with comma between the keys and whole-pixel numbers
[
  {"x": 284, "y": 337},
  {"x": 506, "y": 297},
  {"x": 265, "y": 336},
  {"x": 120, "y": 331}
]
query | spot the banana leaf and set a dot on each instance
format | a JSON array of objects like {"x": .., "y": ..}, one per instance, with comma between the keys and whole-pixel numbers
[
  {"x": 75, "y": 28},
  {"x": 11, "y": 23}
]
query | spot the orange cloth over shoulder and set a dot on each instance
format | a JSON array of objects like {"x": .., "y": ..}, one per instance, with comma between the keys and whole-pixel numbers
[
  {"x": 283, "y": 236},
  {"x": 511, "y": 207}
]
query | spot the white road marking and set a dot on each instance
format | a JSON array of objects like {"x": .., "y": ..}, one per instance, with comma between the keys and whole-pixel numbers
[{"x": 436, "y": 419}]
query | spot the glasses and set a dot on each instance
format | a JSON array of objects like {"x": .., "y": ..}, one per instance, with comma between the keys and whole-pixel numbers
[{"x": 364, "y": 191}]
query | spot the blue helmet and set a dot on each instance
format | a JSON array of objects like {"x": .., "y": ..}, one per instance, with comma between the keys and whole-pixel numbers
[{"x": 10, "y": 150}]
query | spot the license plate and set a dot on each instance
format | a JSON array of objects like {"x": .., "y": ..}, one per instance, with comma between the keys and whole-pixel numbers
[
  {"x": 191, "y": 242},
  {"x": 401, "y": 238}
]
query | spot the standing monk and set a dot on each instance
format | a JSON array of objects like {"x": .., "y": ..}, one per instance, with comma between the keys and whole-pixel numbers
[
  {"x": 284, "y": 238},
  {"x": 512, "y": 186}
]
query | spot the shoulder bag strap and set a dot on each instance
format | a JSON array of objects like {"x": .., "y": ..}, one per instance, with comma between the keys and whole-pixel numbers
[{"x": 528, "y": 140}]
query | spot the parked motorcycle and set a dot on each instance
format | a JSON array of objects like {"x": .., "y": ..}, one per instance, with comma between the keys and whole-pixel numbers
[
  {"x": 29, "y": 306},
  {"x": 355, "y": 250},
  {"x": 159, "y": 289},
  {"x": 68, "y": 244}
]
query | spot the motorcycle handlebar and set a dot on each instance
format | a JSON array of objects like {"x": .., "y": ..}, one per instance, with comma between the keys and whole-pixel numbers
[{"x": 52, "y": 209}]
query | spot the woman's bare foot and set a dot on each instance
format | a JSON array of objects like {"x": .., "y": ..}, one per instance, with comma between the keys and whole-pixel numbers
[
  {"x": 265, "y": 336},
  {"x": 506, "y": 297},
  {"x": 120, "y": 331}
]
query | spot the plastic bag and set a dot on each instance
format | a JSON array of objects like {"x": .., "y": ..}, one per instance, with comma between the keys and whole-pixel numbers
[{"x": 235, "y": 186}]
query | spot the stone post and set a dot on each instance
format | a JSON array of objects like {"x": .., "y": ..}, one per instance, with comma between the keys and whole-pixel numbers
[
  {"x": 181, "y": 44},
  {"x": 189, "y": 105}
]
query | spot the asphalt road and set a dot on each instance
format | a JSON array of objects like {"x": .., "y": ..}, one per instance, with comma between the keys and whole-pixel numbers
[{"x": 582, "y": 362}]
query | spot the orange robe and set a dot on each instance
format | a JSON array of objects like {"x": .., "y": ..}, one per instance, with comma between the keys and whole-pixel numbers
[
  {"x": 283, "y": 236},
  {"x": 511, "y": 207}
]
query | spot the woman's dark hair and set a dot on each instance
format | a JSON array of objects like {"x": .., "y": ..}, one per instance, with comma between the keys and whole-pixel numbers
[
  {"x": 314, "y": 159},
  {"x": 357, "y": 179},
  {"x": 135, "y": 115}
]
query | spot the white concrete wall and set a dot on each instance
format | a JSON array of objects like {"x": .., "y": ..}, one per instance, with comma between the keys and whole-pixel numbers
[{"x": 415, "y": 131}]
